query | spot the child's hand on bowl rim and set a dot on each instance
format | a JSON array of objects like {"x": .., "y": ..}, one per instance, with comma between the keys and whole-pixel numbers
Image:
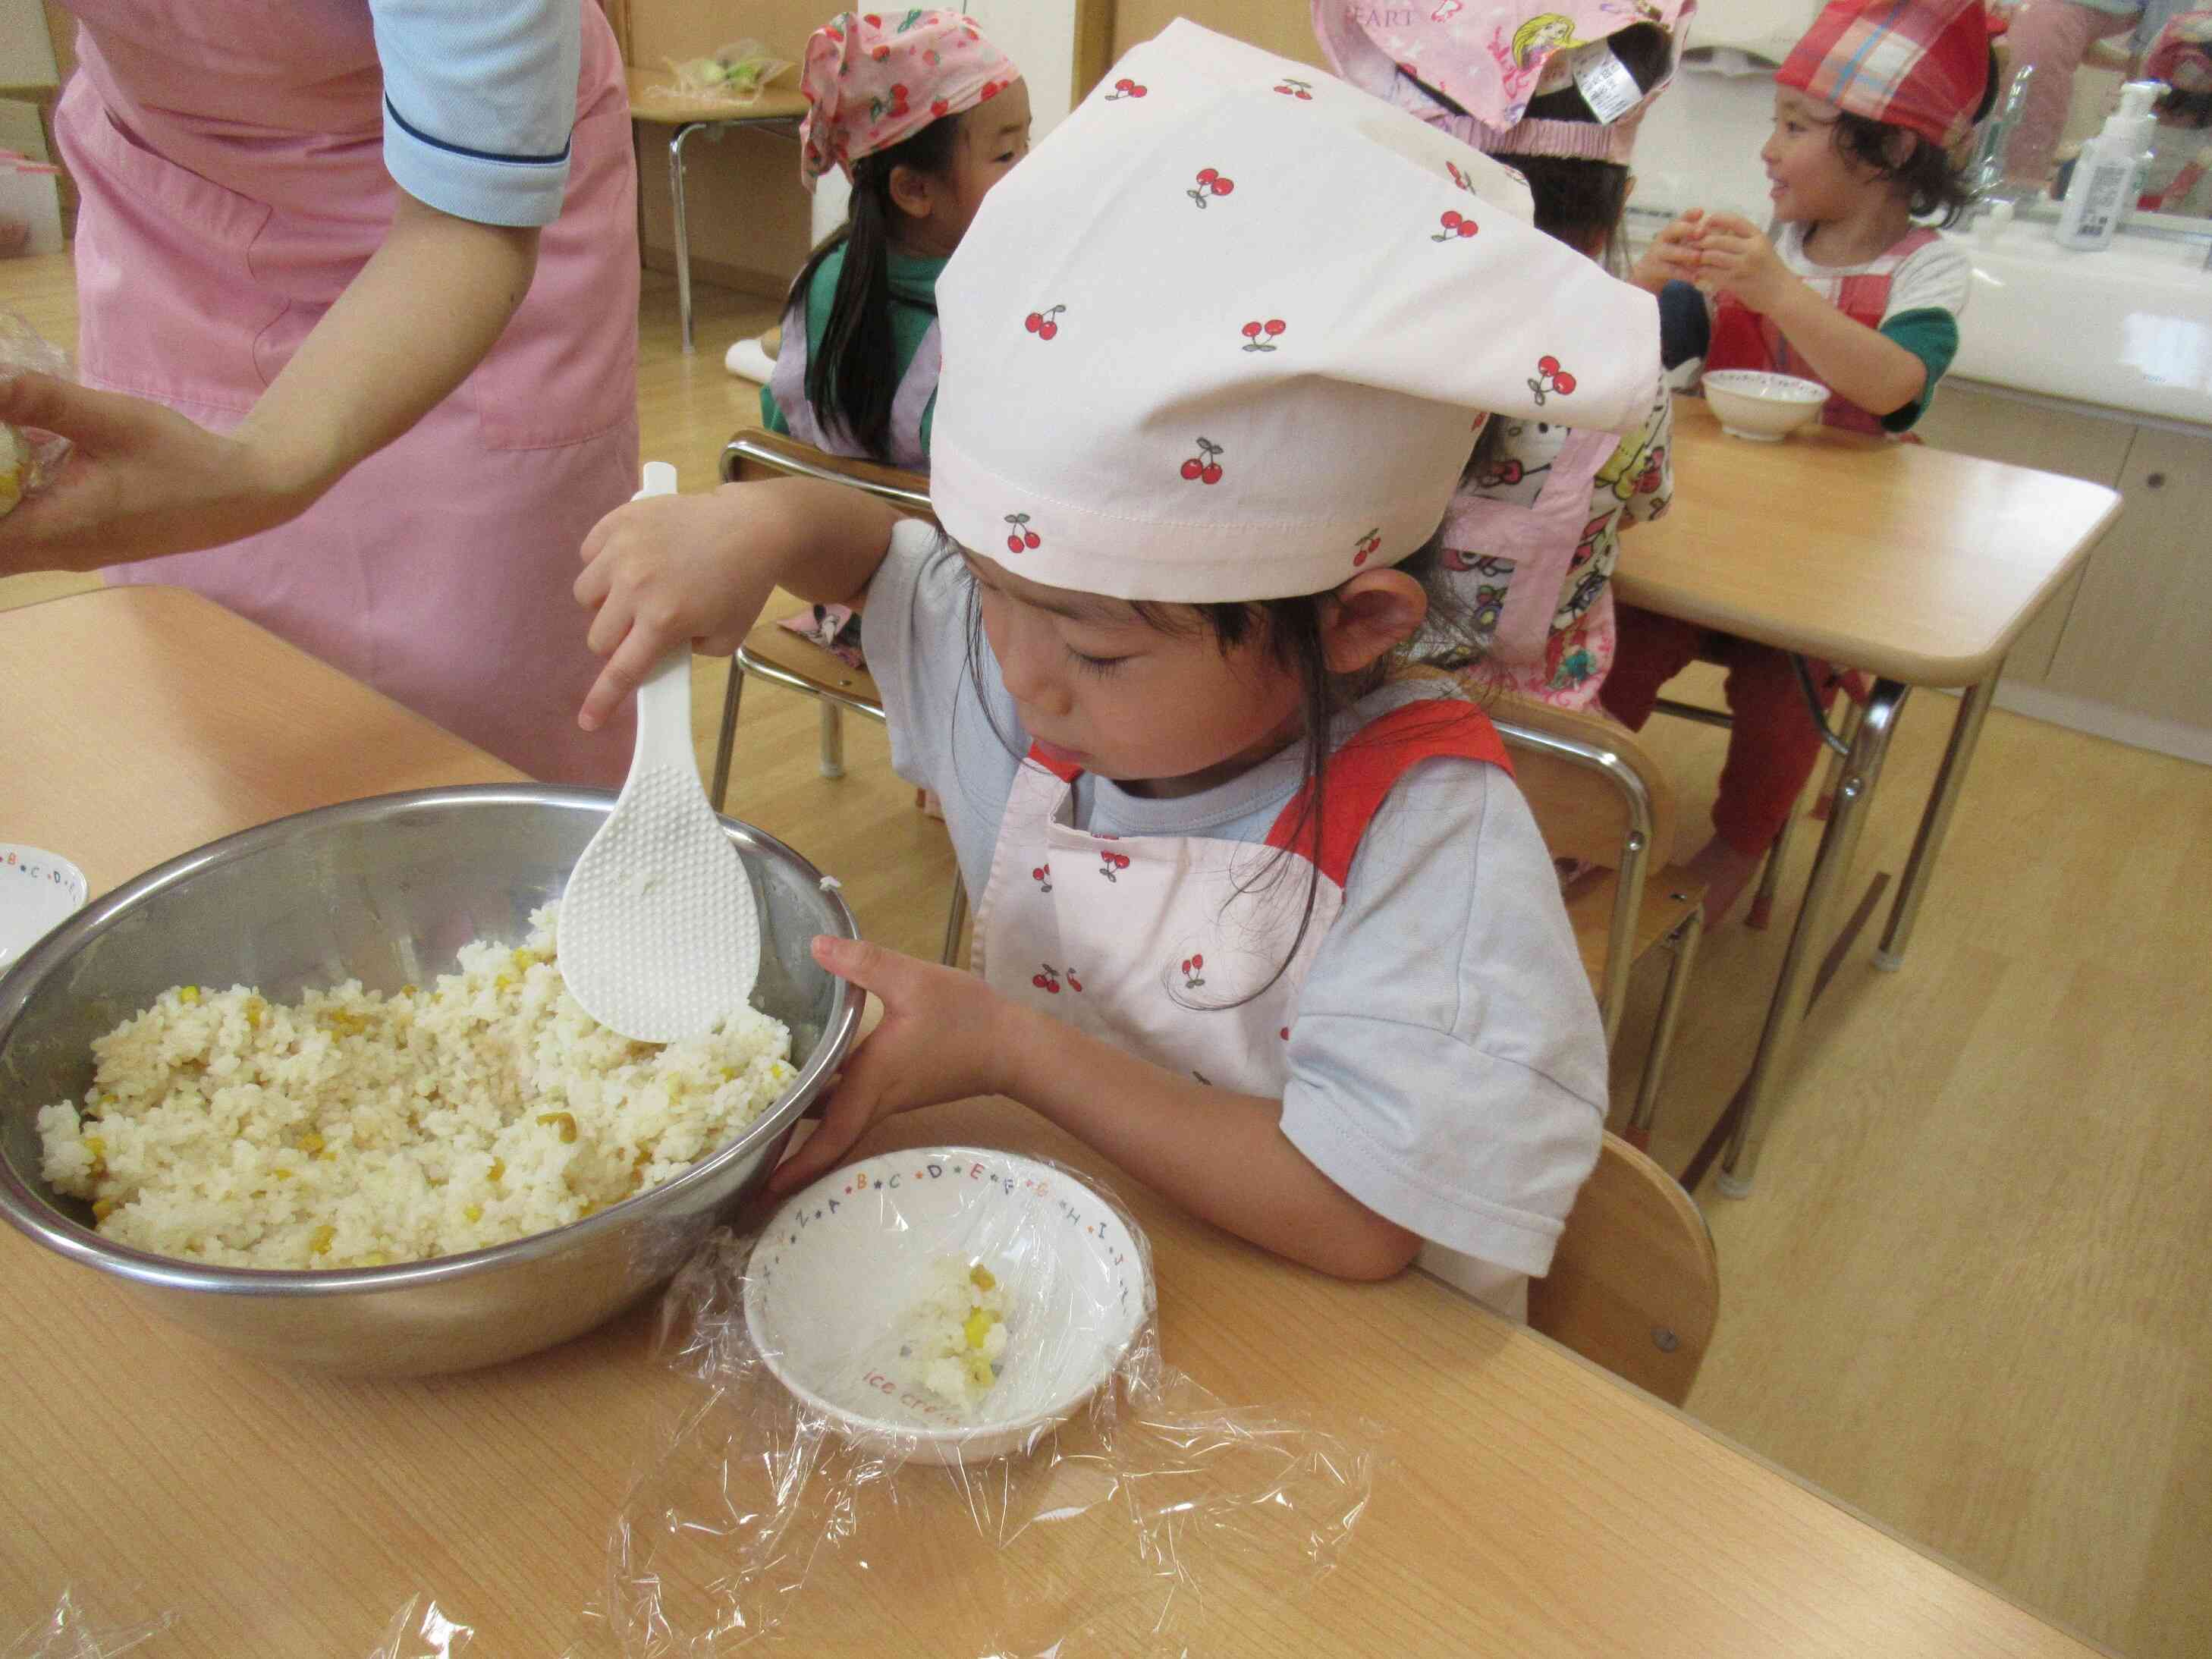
[{"x": 938, "y": 1040}]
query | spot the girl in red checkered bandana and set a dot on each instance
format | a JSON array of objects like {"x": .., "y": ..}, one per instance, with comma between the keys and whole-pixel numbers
[{"x": 1853, "y": 291}]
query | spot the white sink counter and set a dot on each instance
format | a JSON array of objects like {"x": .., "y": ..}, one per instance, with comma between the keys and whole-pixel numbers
[{"x": 2128, "y": 327}]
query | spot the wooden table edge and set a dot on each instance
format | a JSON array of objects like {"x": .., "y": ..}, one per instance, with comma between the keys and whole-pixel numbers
[
  {"x": 650, "y": 100},
  {"x": 1916, "y": 668}
]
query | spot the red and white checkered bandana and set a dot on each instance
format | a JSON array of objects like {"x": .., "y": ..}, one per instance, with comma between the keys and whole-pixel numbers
[
  {"x": 1918, "y": 65},
  {"x": 2181, "y": 56}
]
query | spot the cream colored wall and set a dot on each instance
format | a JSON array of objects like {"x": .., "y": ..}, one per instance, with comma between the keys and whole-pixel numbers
[
  {"x": 1285, "y": 27},
  {"x": 748, "y": 213},
  {"x": 26, "y": 56}
]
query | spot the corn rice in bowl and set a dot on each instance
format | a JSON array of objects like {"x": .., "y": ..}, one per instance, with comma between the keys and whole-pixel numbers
[
  {"x": 356, "y": 1130},
  {"x": 386, "y": 890}
]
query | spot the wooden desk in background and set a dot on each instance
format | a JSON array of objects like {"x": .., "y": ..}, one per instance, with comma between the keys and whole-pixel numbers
[
  {"x": 1532, "y": 1505},
  {"x": 777, "y": 110},
  {"x": 1918, "y": 566}
]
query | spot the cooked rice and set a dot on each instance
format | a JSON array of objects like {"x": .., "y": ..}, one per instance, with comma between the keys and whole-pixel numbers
[{"x": 354, "y": 1129}]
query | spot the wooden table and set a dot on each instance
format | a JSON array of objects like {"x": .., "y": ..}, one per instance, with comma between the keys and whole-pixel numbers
[
  {"x": 1531, "y": 1505},
  {"x": 1918, "y": 566},
  {"x": 651, "y": 99}
]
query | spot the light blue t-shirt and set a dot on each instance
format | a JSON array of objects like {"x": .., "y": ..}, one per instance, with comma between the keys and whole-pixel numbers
[
  {"x": 1447, "y": 1067},
  {"x": 479, "y": 99}
]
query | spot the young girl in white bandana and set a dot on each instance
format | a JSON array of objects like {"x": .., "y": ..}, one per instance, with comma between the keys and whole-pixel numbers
[{"x": 1269, "y": 926}]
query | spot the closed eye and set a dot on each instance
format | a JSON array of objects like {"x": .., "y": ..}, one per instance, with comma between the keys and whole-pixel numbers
[{"x": 1101, "y": 667}]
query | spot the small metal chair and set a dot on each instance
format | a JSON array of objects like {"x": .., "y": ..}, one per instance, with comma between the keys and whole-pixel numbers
[
  {"x": 775, "y": 654},
  {"x": 1599, "y": 797}
]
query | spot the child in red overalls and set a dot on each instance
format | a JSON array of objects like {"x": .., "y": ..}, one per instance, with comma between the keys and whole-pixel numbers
[{"x": 1853, "y": 291}]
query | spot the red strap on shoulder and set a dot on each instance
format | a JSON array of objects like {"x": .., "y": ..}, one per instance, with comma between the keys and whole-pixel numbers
[
  {"x": 1369, "y": 767},
  {"x": 1065, "y": 773}
]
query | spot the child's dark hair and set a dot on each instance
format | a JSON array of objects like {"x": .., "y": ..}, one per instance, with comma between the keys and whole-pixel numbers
[
  {"x": 853, "y": 380},
  {"x": 1291, "y": 631},
  {"x": 1934, "y": 183},
  {"x": 1580, "y": 202},
  {"x": 2194, "y": 108}
]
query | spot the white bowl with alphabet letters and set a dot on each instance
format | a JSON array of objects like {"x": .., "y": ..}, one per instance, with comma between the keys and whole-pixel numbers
[{"x": 846, "y": 1299}]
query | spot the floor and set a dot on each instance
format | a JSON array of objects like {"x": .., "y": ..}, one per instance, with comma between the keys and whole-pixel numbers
[{"x": 1971, "y": 1295}]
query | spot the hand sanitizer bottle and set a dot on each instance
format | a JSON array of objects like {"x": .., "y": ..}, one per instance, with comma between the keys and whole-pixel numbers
[{"x": 2103, "y": 187}]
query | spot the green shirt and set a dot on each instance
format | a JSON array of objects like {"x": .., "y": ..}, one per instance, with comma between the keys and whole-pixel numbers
[{"x": 914, "y": 309}]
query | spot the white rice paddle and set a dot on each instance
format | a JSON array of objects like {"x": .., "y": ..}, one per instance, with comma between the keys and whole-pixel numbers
[{"x": 660, "y": 936}]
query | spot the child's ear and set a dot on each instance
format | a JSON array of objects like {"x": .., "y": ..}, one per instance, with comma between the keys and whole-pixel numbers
[
  {"x": 913, "y": 193},
  {"x": 1897, "y": 148},
  {"x": 1369, "y": 617}
]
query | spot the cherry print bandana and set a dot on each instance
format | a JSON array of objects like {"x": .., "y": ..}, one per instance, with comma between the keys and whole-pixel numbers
[{"x": 874, "y": 79}]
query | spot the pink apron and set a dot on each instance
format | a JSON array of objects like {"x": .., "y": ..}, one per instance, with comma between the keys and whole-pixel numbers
[
  {"x": 1165, "y": 946},
  {"x": 1541, "y": 538},
  {"x": 230, "y": 157},
  {"x": 1742, "y": 338}
]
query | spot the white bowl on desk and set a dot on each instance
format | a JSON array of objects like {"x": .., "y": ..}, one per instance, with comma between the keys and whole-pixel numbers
[
  {"x": 1763, "y": 407},
  {"x": 837, "y": 1271}
]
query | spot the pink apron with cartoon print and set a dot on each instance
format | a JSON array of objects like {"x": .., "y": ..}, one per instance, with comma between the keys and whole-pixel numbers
[
  {"x": 229, "y": 154},
  {"x": 1743, "y": 338},
  {"x": 1541, "y": 538},
  {"x": 1185, "y": 950}
]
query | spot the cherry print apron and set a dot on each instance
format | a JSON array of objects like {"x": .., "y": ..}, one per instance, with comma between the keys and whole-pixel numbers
[
  {"x": 1168, "y": 946},
  {"x": 1541, "y": 538},
  {"x": 230, "y": 158},
  {"x": 1742, "y": 338},
  {"x": 916, "y": 387}
]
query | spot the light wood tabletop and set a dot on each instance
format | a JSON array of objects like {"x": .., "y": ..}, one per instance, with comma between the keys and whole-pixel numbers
[
  {"x": 655, "y": 97},
  {"x": 1918, "y": 564},
  {"x": 1527, "y": 1504}
]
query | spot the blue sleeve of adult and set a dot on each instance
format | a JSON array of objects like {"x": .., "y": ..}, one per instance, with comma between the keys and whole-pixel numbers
[
  {"x": 1686, "y": 326},
  {"x": 479, "y": 100}
]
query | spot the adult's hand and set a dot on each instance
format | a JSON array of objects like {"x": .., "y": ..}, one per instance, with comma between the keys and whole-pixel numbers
[
  {"x": 408, "y": 329},
  {"x": 141, "y": 480}
]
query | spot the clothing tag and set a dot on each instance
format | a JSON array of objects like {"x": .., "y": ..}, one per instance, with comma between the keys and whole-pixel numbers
[{"x": 1604, "y": 83}]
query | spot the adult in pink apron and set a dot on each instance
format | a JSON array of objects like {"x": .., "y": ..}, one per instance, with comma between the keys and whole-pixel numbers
[
  {"x": 230, "y": 160},
  {"x": 1166, "y": 947}
]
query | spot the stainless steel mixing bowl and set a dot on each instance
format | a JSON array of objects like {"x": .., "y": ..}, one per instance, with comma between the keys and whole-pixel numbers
[{"x": 386, "y": 890}]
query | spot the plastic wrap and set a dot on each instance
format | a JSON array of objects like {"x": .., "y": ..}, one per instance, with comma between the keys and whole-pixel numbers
[
  {"x": 71, "y": 1633},
  {"x": 735, "y": 74},
  {"x": 420, "y": 1631},
  {"x": 28, "y": 458},
  {"x": 861, "y": 1498}
]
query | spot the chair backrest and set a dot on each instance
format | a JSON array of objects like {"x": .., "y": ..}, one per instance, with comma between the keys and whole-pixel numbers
[
  {"x": 756, "y": 454},
  {"x": 1634, "y": 1285},
  {"x": 1580, "y": 785}
]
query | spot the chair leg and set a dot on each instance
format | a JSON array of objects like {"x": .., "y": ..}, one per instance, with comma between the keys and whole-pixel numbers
[
  {"x": 682, "y": 230},
  {"x": 956, "y": 922},
  {"x": 1683, "y": 951},
  {"x": 719, "y": 792},
  {"x": 833, "y": 740},
  {"x": 1847, "y": 728},
  {"x": 1770, "y": 878}
]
